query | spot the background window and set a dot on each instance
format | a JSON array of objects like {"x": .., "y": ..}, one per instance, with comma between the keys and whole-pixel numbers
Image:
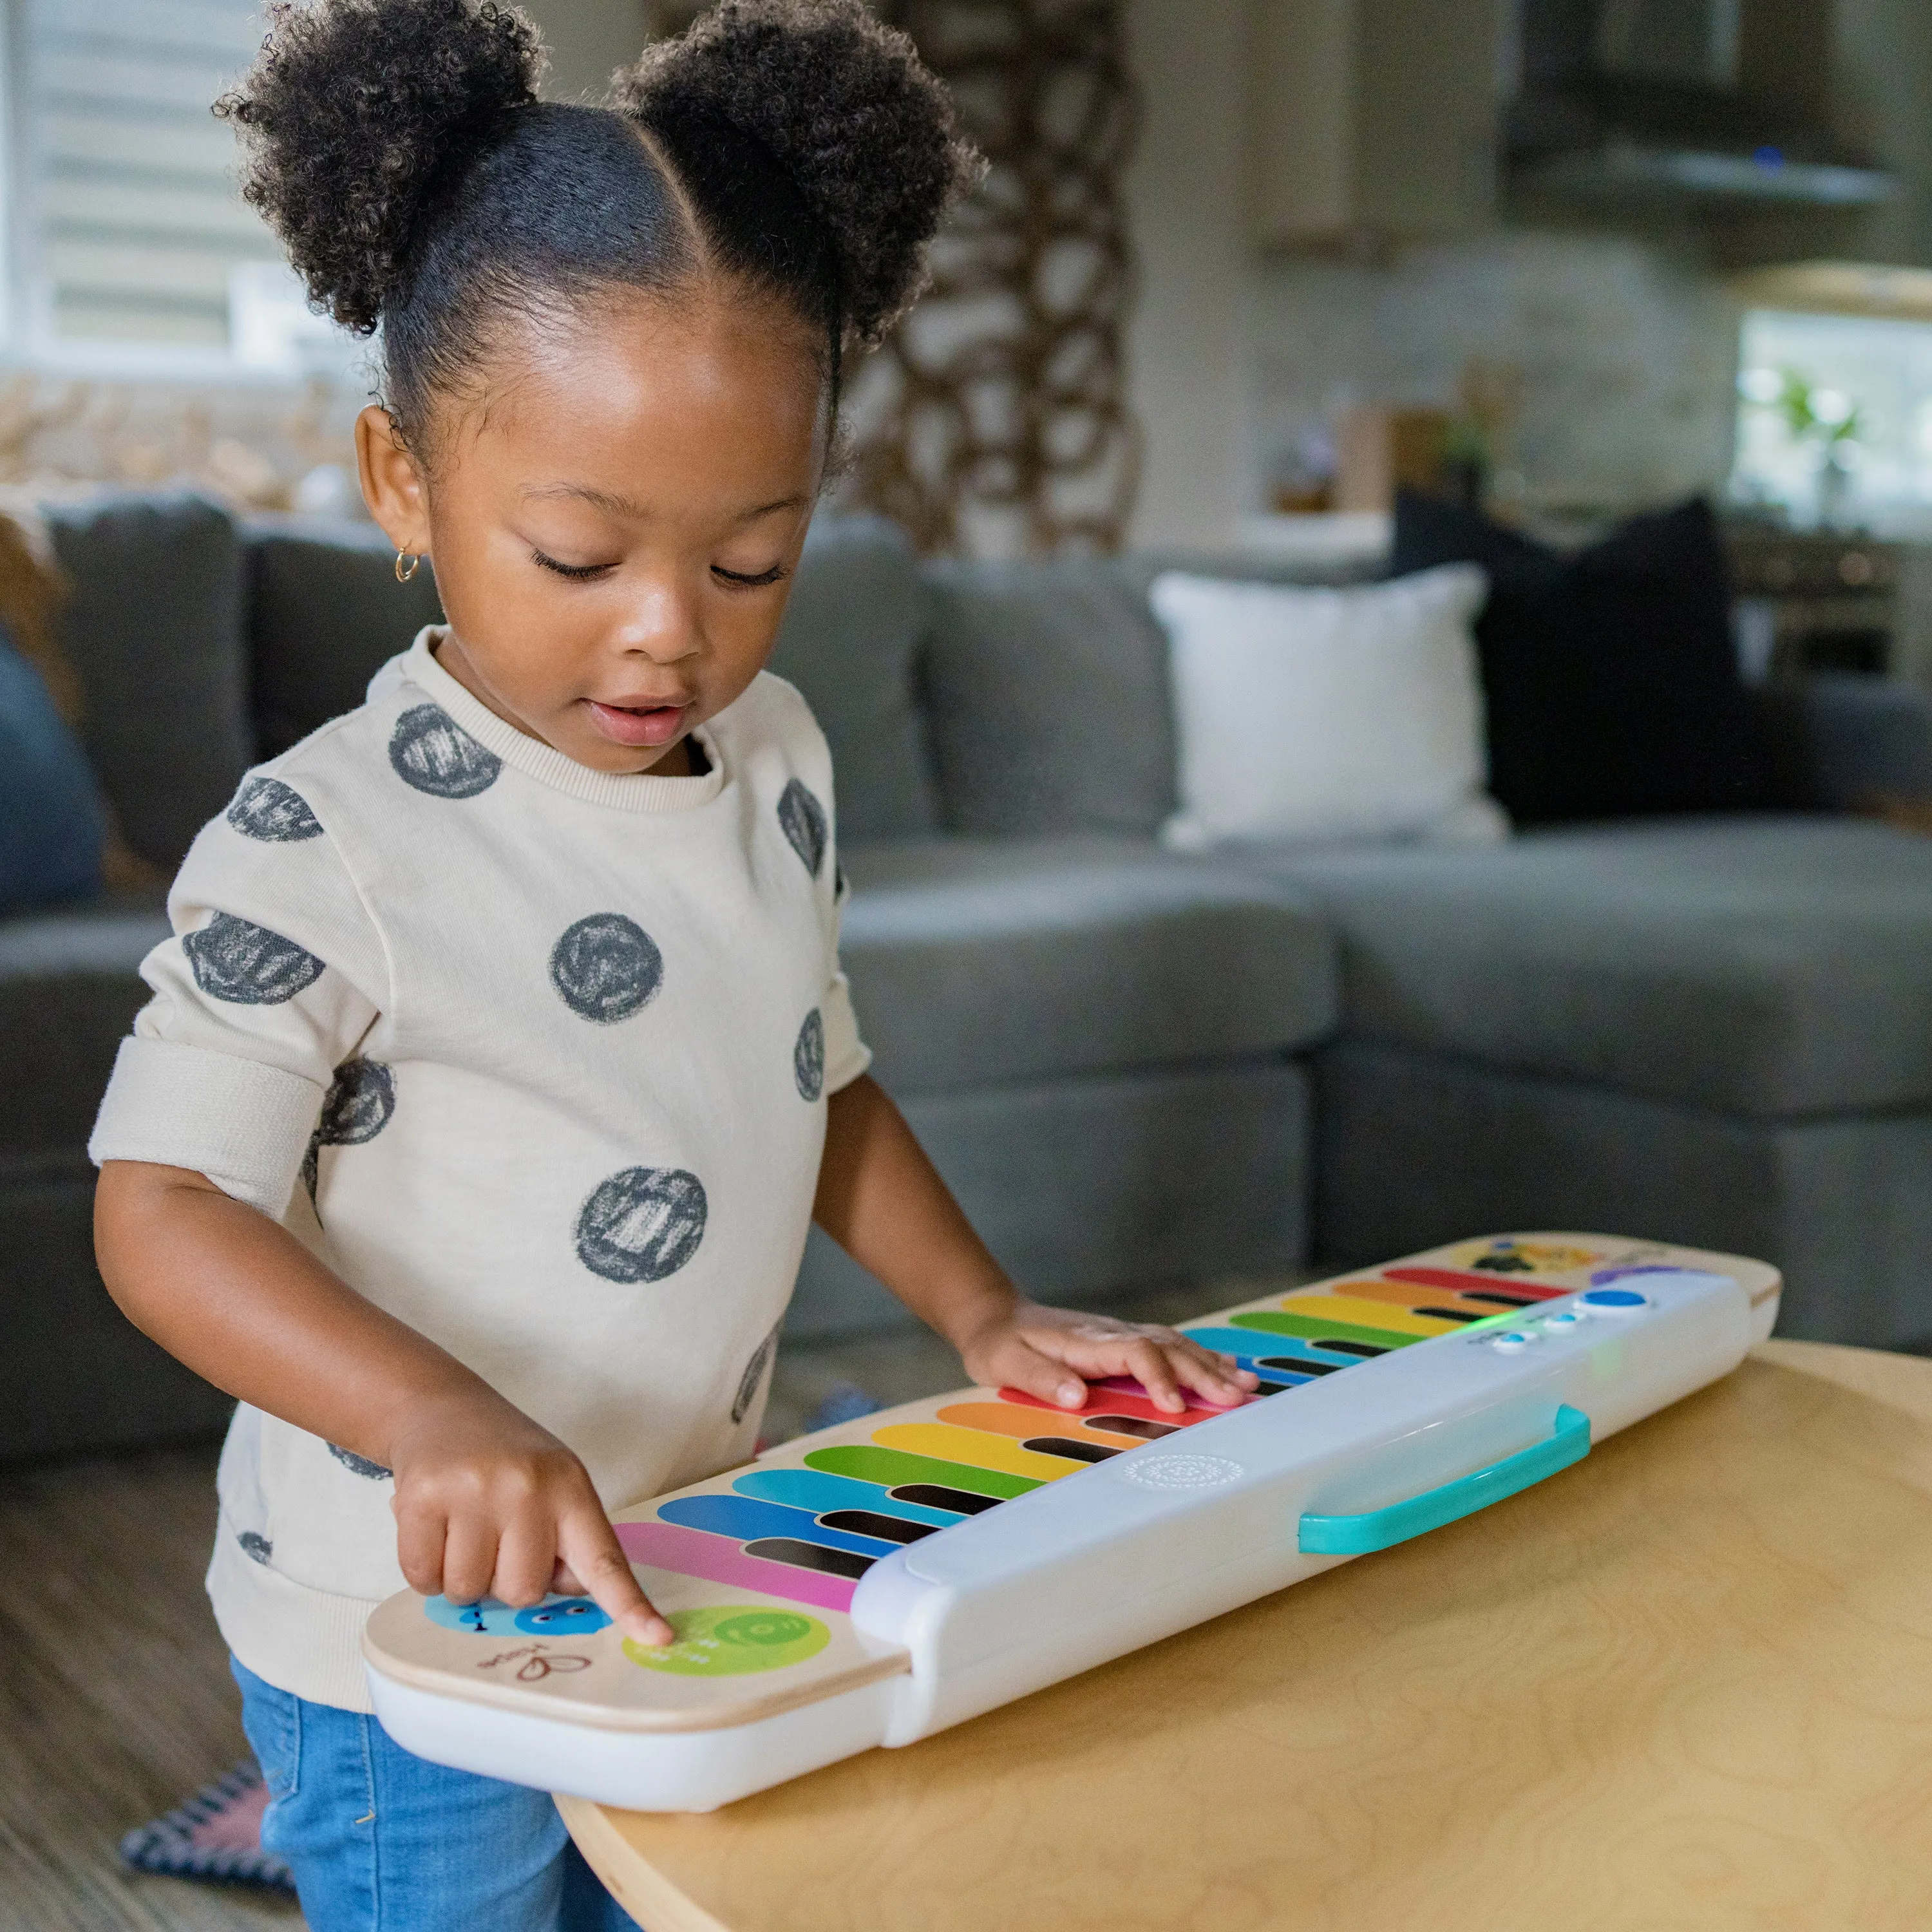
[
  {"x": 1834, "y": 420},
  {"x": 128, "y": 229}
]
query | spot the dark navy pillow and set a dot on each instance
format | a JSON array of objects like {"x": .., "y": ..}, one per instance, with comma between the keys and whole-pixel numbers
[
  {"x": 52, "y": 826},
  {"x": 1610, "y": 682}
]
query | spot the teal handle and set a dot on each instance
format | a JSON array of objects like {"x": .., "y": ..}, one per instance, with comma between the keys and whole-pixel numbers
[{"x": 1380, "y": 1529}]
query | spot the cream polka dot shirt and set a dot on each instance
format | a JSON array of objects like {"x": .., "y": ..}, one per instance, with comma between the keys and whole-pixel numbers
[{"x": 535, "y": 1058}]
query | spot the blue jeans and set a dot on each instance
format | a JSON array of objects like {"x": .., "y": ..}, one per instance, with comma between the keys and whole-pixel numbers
[{"x": 380, "y": 1840}]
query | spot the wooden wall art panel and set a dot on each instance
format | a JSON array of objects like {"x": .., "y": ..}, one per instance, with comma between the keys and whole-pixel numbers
[{"x": 995, "y": 420}]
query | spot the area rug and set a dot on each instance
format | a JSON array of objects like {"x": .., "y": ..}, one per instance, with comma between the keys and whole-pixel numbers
[{"x": 216, "y": 1834}]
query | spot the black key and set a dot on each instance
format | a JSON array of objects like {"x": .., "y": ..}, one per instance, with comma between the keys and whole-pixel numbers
[
  {"x": 869, "y": 1522},
  {"x": 1299, "y": 1365},
  {"x": 1130, "y": 1425},
  {"x": 1500, "y": 1300},
  {"x": 810, "y": 1556},
  {"x": 1074, "y": 1452},
  {"x": 1451, "y": 1314},
  {"x": 937, "y": 1495},
  {"x": 1337, "y": 1346}
]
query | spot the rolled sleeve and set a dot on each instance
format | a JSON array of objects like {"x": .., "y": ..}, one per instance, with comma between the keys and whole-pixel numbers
[
  {"x": 847, "y": 1056},
  {"x": 274, "y": 977},
  {"x": 244, "y": 1123}
]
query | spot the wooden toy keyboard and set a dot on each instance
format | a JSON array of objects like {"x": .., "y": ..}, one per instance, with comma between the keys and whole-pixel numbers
[{"x": 875, "y": 1581}]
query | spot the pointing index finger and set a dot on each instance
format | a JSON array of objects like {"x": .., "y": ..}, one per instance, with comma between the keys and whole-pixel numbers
[{"x": 589, "y": 1545}]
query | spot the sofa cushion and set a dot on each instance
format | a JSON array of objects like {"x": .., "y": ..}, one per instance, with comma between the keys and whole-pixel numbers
[
  {"x": 851, "y": 631},
  {"x": 1048, "y": 702},
  {"x": 1610, "y": 675},
  {"x": 1086, "y": 1186},
  {"x": 1322, "y": 714},
  {"x": 77, "y": 1376},
  {"x": 51, "y": 827},
  {"x": 1872, "y": 737},
  {"x": 975, "y": 962},
  {"x": 1778, "y": 967},
  {"x": 1049, "y": 709},
  {"x": 153, "y": 629},
  {"x": 326, "y": 613},
  {"x": 69, "y": 987}
]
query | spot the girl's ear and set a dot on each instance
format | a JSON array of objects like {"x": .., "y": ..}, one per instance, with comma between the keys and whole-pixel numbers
[{"x": 392, "y": 483}]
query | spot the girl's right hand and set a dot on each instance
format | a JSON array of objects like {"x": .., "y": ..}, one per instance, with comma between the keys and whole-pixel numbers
[{"x": 489, "y": 1504}]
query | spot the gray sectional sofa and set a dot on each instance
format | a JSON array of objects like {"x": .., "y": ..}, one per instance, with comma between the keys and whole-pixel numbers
[{"x": 1134, "y": 1067}]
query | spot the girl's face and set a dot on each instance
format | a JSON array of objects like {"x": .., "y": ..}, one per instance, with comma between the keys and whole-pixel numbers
[{"x": 614, "y": 531}]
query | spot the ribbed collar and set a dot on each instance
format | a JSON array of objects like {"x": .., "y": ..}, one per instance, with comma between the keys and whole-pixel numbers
[{"x": 627, "y": 791}]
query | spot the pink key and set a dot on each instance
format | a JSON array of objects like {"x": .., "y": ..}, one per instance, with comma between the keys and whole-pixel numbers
[{"x": 697, "y": 1553}]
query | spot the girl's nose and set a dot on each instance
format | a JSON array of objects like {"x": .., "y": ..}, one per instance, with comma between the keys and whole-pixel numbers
[{"x": 662, "y": 625}]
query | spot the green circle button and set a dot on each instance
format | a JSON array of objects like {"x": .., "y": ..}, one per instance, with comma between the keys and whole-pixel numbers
[{"x": 732, "y": 1640}]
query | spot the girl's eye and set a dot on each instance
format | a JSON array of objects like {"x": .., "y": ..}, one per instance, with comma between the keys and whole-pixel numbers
[
  {"x": 578, "y": 573},
  {"x": 747, "y": 580}
]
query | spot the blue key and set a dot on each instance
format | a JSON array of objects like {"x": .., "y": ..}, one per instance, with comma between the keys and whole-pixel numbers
[
  {"x": 747, "y": 1519},
  {"x": 1253, "y": 1344},
  {"x": 818, "y": 1491},
  {"x": 1278, "y": 1378}
]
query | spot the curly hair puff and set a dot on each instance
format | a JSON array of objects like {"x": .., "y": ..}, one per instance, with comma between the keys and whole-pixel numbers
[
  {"x": 399, "y": 148},
  {"x": 844, "y": 106},
  {"x": 354, "y": 112}
]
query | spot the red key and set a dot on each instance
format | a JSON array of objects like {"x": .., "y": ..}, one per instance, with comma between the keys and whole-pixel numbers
[
  {"x": 1110, "y": 1398},
  {"x": 1466, "y": 1282}
]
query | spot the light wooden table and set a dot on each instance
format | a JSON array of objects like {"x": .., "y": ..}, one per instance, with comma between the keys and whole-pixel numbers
[{"x": 1688, "y": 1684}]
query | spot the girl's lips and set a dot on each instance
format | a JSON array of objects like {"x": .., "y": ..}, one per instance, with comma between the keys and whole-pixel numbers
[{"x": 625, "y": 724}]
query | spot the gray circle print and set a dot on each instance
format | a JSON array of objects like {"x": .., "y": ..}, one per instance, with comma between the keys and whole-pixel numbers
[
  {"x": 754, "y": 1373},
  {"x": 359, "y": 1465},
  {"x": 361, "y": 1099},
  {"x": 643, "y": 1224},
  {"x": 431, "y": 751},
  {"x": 248, "y": 965},
  {"x": 258, "y": 1546},
  {"x": 808, "y": 1056},
  {"x": 805, "y": 823},
  {"x": 267, "y": 809},
  {"x": 606, "y": 967}
]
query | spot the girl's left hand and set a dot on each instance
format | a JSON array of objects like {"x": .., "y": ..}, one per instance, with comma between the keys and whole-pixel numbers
[{"x": 1032, "y": 1348}]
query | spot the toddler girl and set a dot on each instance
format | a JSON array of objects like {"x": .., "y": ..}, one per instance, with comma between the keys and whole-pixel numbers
[{"x": 502, "y": 1055}]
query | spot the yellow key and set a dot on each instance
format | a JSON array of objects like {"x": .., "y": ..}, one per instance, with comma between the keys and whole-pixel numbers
[
  {"x": 1365, "y": 1314},
  {"x": 974, "y": 1448}
]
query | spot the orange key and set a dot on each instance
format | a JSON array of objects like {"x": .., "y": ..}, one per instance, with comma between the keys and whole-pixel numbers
[
  {"x": 1007, "y": 1418},
  {"x": 1416, "y": 1299}
]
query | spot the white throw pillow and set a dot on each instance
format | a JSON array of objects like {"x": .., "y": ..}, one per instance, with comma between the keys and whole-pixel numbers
[{"x": 1309, "y": 715}]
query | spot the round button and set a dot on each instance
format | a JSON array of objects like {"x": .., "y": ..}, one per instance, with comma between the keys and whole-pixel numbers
[
  {"x": 1613, "y": 1301},
  {"x": 1174, "y": 1471},
  {"x": 1511, "y": 1340},
  {"x": 1563, "y": 1319}
]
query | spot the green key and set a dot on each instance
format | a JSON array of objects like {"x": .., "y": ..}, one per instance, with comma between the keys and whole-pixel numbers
[
  {"x": 890, "y": 1468},
  {"x": 1307, "y": 1329}
]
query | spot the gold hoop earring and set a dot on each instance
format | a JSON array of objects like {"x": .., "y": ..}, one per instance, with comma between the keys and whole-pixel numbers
[{"x": 403, "y": 576}]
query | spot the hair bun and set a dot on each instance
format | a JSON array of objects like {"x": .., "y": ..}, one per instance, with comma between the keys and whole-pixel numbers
[
  {"x": 845, "y": 106},
  {"x": 355, "y": 112}
]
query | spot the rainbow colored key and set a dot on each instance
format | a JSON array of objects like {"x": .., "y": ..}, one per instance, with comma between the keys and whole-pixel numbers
[
  {"x": 1012, "y": 1418},
  {"x": 892, "y": 1467},
  {"x": 813, "y": 1490},
  {"x": 747, "y": 1519}
]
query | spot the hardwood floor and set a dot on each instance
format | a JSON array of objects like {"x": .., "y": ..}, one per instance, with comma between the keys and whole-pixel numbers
[
  {"x": 115, "y": 1698},
  {"x": 116, "y": 1701}
]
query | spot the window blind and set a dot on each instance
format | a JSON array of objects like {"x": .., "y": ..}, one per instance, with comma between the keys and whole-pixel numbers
[{"x": 131, "y": 222}]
